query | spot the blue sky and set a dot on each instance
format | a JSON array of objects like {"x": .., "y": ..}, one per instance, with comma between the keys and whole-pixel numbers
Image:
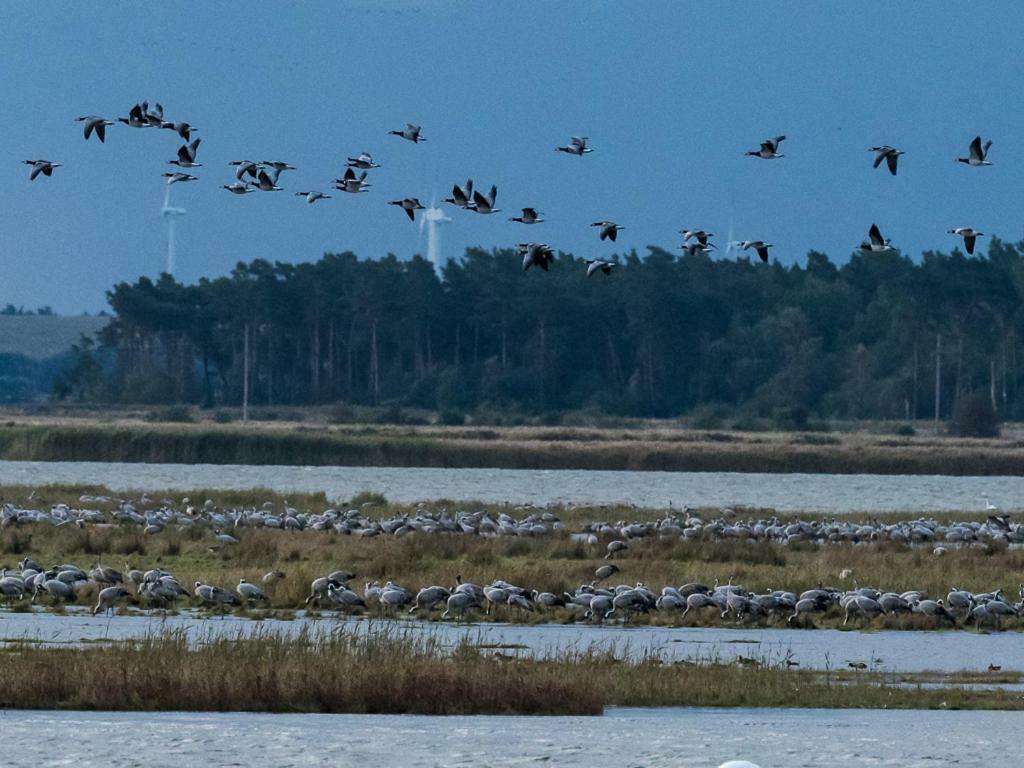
[{"x": 671, "y": 95}]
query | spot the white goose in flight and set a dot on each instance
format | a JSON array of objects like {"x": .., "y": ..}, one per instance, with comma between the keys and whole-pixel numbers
[
  {"x": 969, "y": 235},
  {"x": 410, "y": 133},
  {"x": 530, "y": 216},
  {"x": 696, "y": 234},
  {"x": 265, "y": 183},
  {"x": 461, "y": 196},
  {"x": 238, "y": 188},
  {"x": 174, "y": 178},
  {"x": 364, "y": 161},
  {"x": 891, "y": 155},
  {"x": 44, "y": 167},
  {"x": 577, "y": 146},
  {"x": 187, "y": 156},
  {"x": 313, "y": 195},
  {"x": 609, "y": 230},
  {"x": 245, "y": 167},
  {"x": 536, "y": 255},
  {"x": 599, "y": 265},
  {"x": 976, "y": 153},
  {"x": 875, "y": 242},
  {"x": 697, "y": 247},
  {"x": 769, "y": 149},
  {"x": 483, "y": 204},
  {"x": 95, "y": 124},
  {"x": 760, "y": 246},
  {"x": 136, "y": 118},
  {"x": 351, "y": 183},
  {"x": 185, "y": 130},
  {"x": 410, "y": 205}
]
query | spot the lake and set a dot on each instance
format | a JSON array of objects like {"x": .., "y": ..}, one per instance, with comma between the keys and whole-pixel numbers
[
  {"x": 831, "y": 494},
  {"x": 661, "y": 738},
  {"x": 903, "y": 651}
]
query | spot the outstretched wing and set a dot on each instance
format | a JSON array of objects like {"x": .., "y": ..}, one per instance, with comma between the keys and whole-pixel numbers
[{"x": 876, "y": 235}]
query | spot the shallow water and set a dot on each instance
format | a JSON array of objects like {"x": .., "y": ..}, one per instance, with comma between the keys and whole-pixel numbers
[
  {"x": 833, "y": 494},
  {"x": 900, "y": 651},
  {"x": 680, "y": 738}
]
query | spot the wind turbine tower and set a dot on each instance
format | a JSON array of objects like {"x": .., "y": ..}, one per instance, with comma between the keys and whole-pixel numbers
[
  {"x": 170, "y": 214},
  {"x": 432, "y": 218}
]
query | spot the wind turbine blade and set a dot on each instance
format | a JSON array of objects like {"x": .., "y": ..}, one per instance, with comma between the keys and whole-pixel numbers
[{"x": 167, "y": 196}]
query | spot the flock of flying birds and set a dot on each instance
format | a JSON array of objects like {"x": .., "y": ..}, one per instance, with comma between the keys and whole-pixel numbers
[{"x": 263, "y": 176}]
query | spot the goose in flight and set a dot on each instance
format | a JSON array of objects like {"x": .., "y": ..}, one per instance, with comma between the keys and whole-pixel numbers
[
  {"x": 244, "y": 167},
  {"x": 760, "y": 246},
  {"x": 136, "y": 118},
  {"x": 609, "y": 230},
  {"x": 95, "y": 124},
  {"x": 461, "y": 196},
  {"x": 364, "y": 161},
  {"x": 312, "y": 196},
  {"x": 174, "y": 178},
  {"x": 976, "y": 153},
  {"x": 182, "y": 129},
  {"x": 891, "y": 155},
  {"x": 536, "y": 255},
  {"x": 410, "y": 205},
  {"x": 187, "y": 156},
  {"x": 769, "y": 149},
  {"x": 352, "y": 183},
  {"x": 483, "y": 204},
  {"x": 410, "y": 132},
  {"x": 238, "y": 188},
  {"x": 265, "y": 182},
  {"x": 277, "y": 165},
  {"x": 969, "y": 235},
  {"x": 696, "y": 234},
  {"x": 599, "y": 265},
  {"x": 44, "y": 167},
  {"x": 875, "y": 242},
  {"x": 696, "y": 247},
  {"x": 577, "y": 146},
  {"x": 154, "y": 119},
  {"x": 530, "y": 216}
]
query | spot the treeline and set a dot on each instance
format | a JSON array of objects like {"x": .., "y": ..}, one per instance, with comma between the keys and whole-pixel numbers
[{"x": 881, "y": 337}]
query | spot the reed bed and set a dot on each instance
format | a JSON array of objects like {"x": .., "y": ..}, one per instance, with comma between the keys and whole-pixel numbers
[
  {"x": 520, "y": 448},
  {"x": 389, "y": 672}
]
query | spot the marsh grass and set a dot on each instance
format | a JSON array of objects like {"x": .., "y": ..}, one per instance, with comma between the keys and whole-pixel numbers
[
  {"x": 645, "y": 448},
  {"x": 389, "y": 671}
]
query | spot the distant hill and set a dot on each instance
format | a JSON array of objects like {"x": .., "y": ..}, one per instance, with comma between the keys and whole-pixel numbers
[{"x": 42, "y": 336}]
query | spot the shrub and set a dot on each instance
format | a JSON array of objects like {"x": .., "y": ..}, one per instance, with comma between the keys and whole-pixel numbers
[
  {"x": 223, "y": 417},
  {"x": 974, "y": 416},
  {"x": 172, "y": 413},
  {"x": 452, "y": 417}
]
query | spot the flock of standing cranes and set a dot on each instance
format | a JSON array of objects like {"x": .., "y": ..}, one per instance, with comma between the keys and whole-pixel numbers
[
  {"x": 158, "y": 587},
  {"x": 263, "y": 176}
]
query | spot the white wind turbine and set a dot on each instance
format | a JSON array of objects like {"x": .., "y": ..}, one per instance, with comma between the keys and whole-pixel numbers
[
  {"x": 431, "y": 219},
  {"x": 170, "y": 214}
]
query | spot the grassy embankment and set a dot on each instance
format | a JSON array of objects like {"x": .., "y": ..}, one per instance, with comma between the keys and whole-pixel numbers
[
  {"x": 654, "y": 448},
  {"x": 553, "y": 562},
  {"x": 386, "y": 672}
]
